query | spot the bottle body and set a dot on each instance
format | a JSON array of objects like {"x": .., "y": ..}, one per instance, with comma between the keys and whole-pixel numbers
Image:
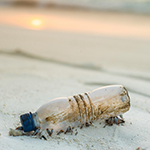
[{"x": 101, "y": 103}]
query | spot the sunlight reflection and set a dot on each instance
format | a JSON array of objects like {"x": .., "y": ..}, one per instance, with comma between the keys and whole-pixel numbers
[
  {"x": 115, "y": 25},
  {"x": 36, "y": 22},
  {"x": 23, "y": 20}
]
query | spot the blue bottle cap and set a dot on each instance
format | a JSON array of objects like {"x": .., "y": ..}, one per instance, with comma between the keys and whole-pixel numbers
[{"x": 27, "y": 122}]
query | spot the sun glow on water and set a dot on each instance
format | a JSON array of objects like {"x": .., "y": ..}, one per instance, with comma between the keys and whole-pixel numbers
[{"x": 36, "y": 22}]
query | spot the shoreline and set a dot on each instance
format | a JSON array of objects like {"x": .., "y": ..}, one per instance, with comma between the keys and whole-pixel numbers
[
  {"x": 79, "y": 37},
  {"x": 86, "y": 22}
]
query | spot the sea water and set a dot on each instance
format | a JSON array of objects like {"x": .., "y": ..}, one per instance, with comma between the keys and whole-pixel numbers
[{"x": 136, "y": 6}]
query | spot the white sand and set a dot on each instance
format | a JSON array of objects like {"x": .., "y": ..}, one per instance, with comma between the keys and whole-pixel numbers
[{"x": 26, "y": 84}]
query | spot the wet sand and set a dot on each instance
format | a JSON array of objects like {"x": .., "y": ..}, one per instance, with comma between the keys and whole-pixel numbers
[{"x": 98, "y": 39}]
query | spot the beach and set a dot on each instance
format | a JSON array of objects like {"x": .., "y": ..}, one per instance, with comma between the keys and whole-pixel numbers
[{"x": 74, "y": 52}]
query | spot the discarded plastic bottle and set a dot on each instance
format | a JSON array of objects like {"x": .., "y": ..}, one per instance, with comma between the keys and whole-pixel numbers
[{"x": 102, "y": 103}]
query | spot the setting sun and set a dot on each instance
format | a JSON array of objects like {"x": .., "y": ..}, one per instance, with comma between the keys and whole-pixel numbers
[{"x": 36, "y": 22}]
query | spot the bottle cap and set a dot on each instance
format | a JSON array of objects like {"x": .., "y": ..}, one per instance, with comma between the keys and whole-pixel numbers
[{"x": 27, "y": 122}]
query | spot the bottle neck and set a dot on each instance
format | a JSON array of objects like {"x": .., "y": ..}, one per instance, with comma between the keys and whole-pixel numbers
[{"x": 36, "y": 120}]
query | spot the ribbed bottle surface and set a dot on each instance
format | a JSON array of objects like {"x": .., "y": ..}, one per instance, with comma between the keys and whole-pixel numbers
[{"x": 101, "y": 103}]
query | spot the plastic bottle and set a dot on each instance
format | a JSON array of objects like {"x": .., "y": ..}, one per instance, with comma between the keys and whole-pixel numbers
[{"x": 59, "y": 113}]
